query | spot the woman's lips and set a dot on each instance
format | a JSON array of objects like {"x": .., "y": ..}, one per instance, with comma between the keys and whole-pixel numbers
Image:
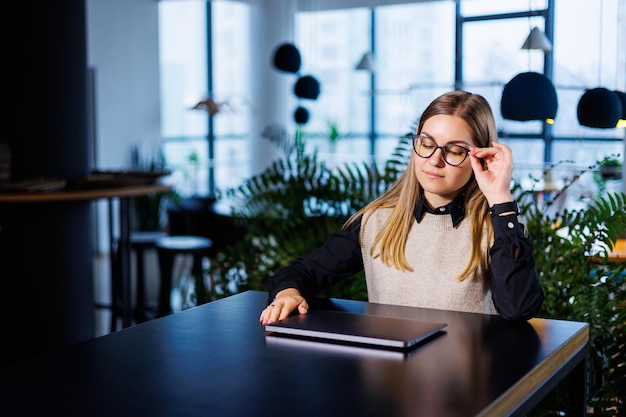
[{"x": 432, "y": 175}]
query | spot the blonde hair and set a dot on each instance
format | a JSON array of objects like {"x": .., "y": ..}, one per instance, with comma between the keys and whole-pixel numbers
[{"x": 402, "y": 196}]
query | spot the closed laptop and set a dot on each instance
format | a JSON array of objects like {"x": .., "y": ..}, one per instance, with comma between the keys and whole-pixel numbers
[{"x": 340, "y": 326}]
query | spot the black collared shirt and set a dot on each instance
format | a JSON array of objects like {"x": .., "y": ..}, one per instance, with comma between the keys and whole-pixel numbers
[
  {"x": 516, "y": 291},
  {"x": 456, "y": 209}
]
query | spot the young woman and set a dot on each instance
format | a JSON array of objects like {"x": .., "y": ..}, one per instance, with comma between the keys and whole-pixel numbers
[{"x": 445, "y": 235}]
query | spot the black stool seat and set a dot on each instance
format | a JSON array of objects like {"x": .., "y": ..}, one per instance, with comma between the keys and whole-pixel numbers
[{"x": 168, "y": 247}]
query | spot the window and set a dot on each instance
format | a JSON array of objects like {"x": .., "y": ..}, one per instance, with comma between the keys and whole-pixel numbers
[
  {"x": 410, "y": 68},
  {"x": 193, "y": 141},
  {"x": 330, "y": 44},
  {"x": 414, "y": 49}
]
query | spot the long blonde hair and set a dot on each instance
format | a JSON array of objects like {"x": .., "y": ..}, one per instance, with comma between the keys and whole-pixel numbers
[{"x": 402, "y": 196}]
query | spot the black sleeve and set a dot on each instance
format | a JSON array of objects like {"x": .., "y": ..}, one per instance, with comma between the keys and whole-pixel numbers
[
  {"x": 516, "y": 290},
  {"x": 339, "y": 257}
]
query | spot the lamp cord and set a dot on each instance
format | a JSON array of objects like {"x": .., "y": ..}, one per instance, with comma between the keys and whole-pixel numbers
[
  {"x": 600, "y": 41},
  {"x": 530, "y": 28}
]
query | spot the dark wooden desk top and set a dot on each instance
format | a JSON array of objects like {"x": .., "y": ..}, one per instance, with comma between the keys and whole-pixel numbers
[
  {"x": 215, "y": 360},
  {"x": 84, "y": 194}
]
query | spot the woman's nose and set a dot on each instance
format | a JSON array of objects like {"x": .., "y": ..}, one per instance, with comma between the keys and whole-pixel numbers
[{"x": 436, "y": 159}]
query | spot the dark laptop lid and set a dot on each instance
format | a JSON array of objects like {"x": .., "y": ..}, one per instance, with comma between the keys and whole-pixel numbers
[{"x": 365, "y": 329}]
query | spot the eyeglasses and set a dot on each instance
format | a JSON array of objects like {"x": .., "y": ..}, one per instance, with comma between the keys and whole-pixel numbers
[{"x": 452, "y": 153}]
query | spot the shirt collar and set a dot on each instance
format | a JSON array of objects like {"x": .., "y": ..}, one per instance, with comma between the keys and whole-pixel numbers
[{"x": 455, "y": 208}]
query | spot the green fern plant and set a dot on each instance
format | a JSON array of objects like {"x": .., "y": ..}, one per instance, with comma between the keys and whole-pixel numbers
[{"x": 290, "y": 209}]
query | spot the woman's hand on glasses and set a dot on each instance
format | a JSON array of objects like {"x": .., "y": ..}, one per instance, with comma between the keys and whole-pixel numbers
[{"x": 493, "y": 168}]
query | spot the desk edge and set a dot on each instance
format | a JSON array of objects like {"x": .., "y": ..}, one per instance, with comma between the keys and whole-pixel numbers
[{"x": 521, "y": 391}]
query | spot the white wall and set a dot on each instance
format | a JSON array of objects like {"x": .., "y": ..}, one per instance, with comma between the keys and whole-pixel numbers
[{"x": 123, "y": 50}]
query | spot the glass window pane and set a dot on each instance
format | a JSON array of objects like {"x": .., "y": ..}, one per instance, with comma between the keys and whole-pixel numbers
[
  {"x": 231, "y": 86},
  {"x": 488, "y": 7},
  {"x": 331, "y": 43},
  {"x": 232, "y": 160},
  {"x": 492, "y": 57},
  {"x": 584, "y": 152},
  {"x": 184, "y": 82},
  {"x": 527, "y": 160},
  {"x": 415, "y": 62},
  {"x": 182, "y": 52},
  {"x": 414, "y": 59},
  {"x": 597, "y": 59},
  {"x": 186, "y": 159},
  {"x": 231, "y": 67}
]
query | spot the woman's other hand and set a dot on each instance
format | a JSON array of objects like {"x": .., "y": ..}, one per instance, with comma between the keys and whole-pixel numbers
[
  {"x": 285, "y": 302},
  {"x": 493, "y": 168}
]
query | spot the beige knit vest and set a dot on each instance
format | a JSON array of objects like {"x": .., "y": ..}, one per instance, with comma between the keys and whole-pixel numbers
[{"x": 438, "y": 253}]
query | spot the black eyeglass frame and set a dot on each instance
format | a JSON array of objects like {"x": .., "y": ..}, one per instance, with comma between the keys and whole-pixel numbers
[{"x": 444, "y": 149}]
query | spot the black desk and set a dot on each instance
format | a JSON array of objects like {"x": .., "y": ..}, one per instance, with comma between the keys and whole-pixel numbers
[{"x": 215, "y": 360}]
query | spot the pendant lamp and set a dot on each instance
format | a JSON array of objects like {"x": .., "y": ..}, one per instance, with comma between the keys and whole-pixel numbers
[
  {"x": 366, "y": 63},
  {"x": 529, "y": 96},
  {"x": 622, "y": 97},
  {"x": 307, "y": 87},
  {"x": 287, "y": 58},
  {"x": 301, "y": 115},
  {"x": 209, "y": 105},
  {"x": 537, "y": 40},
  {"x": 599, "y": 107}
]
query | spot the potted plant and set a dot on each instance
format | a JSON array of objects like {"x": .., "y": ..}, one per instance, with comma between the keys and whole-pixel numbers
[
  {"x": 610, "y": 168},
  {"x": 148, "y": 209}
]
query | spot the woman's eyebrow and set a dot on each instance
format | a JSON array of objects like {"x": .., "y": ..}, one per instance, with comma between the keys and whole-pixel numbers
[{"x": 453, "y": 141}]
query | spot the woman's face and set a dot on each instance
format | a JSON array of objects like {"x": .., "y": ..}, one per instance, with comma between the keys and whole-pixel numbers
[{"x": 441, "y": 181}]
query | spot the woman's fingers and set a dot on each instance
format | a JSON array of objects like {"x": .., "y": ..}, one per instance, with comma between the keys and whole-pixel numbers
[
  {"x": 496, "y": 152},
  {"x": 282, "y": 307},
  {"x": 493, "y": 168},
  {"x": 271, "y": 313}
]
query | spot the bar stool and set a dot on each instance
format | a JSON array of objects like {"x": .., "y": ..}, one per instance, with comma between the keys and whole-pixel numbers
[
  {"x": 140, "y": 241},
  {"x": 168, "y": 248}
]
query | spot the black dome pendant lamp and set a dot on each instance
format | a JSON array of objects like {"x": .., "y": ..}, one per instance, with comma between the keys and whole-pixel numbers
[
  {"x": 622, "y": 98},
  {"x": 529, "y": 96},
  {"x": 287, "y": 58},
  {"x": 599, "y": 107},
  {"x": 307, "y": 87}
]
